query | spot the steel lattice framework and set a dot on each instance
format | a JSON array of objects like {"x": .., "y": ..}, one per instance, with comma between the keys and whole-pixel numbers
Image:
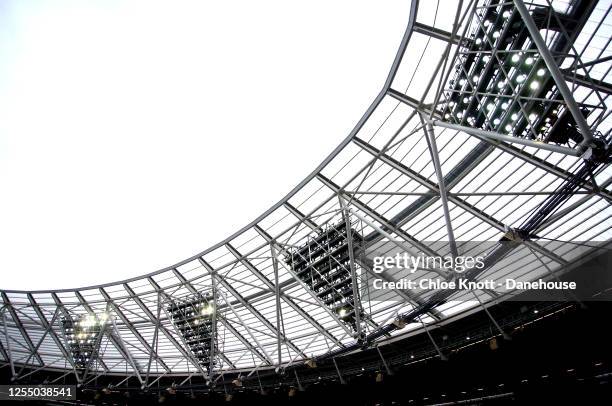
[{"x": 505, "y": 138}]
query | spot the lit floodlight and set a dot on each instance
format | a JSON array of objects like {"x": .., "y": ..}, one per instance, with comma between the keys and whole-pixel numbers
[
  {"x": 515, "y": 58},
  {"x": 541, "y": 72},
  {"x": 193, "y": 318},
  {"x": 207, "y": 310},
  {"x": 534, "y": 85},
  {"x": 529, "y": 61},
  {"x": 323, "y": 265},
  {"x": 82, "y": 336}
]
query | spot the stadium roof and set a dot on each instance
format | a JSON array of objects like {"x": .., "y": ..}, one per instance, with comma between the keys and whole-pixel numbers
[{"x": 385, "y": 179}]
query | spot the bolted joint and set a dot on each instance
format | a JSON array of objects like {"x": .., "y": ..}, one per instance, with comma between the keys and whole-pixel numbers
[{"x": 598, "y": 151}]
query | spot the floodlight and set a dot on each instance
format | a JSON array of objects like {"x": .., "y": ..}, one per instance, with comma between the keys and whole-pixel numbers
[
  {"x": 323, "y": 264},
  {"x": 534, "y": 85},
  {"x": 191, "y": 316},
  {"x": 207, "y": 310},
  {"x": 81, "y": 335},
  {"x": 541, "y": 72}
]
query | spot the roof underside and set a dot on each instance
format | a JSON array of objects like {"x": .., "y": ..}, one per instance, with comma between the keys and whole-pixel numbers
[{"x": 384, "y": 173}]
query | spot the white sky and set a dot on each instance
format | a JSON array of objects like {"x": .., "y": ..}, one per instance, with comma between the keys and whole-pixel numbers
[{"x": 134, "y": 134}]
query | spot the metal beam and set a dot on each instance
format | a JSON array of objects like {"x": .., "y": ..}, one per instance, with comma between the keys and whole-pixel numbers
[
  {"x": 585, "y": 81},
  {"x": 21, "y": 328},
  {"x": 53, "y": 334},
  {"x": 301, "y": 311},
  {"x": 3, "y": 352},
  {"x": 225, "y": 322},
  {"x": 411, "y": 102},
  {"x": 192, "y": 289},
  {"x": 406, "y": 294},
  {"x": 481, "y": 215},
  {"x": 123, "y": 349},
  {"x": 117, "y": 342},
  {"x": 501, "y": 137},
  {"x": 270, "y": 286},
  {"x": 293, "y": 210},
  {"x": 277, "y": 295},
  {"x": 349, "y": 238},
  {"x": 542, "y": 164},
  {"x": 135, "y": 332},
  {"x": 10, "y": 359},
  {"x": 435, "y": 159},
  {"x": 436, "y": 33},
  {"x": 384, "y": 223},
  {"x": 154, "y": 320}
]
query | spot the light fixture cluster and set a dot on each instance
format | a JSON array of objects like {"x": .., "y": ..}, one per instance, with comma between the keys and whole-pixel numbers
[
  {"x": 195, "y": 319},
  {"x": 501, "y": 83},
  {"x": 82, "y": 336},
  {"x": 323, "y": 263}
]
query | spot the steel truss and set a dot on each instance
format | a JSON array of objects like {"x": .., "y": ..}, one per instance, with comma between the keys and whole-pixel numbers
[{"x": 412, "y": 171}]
